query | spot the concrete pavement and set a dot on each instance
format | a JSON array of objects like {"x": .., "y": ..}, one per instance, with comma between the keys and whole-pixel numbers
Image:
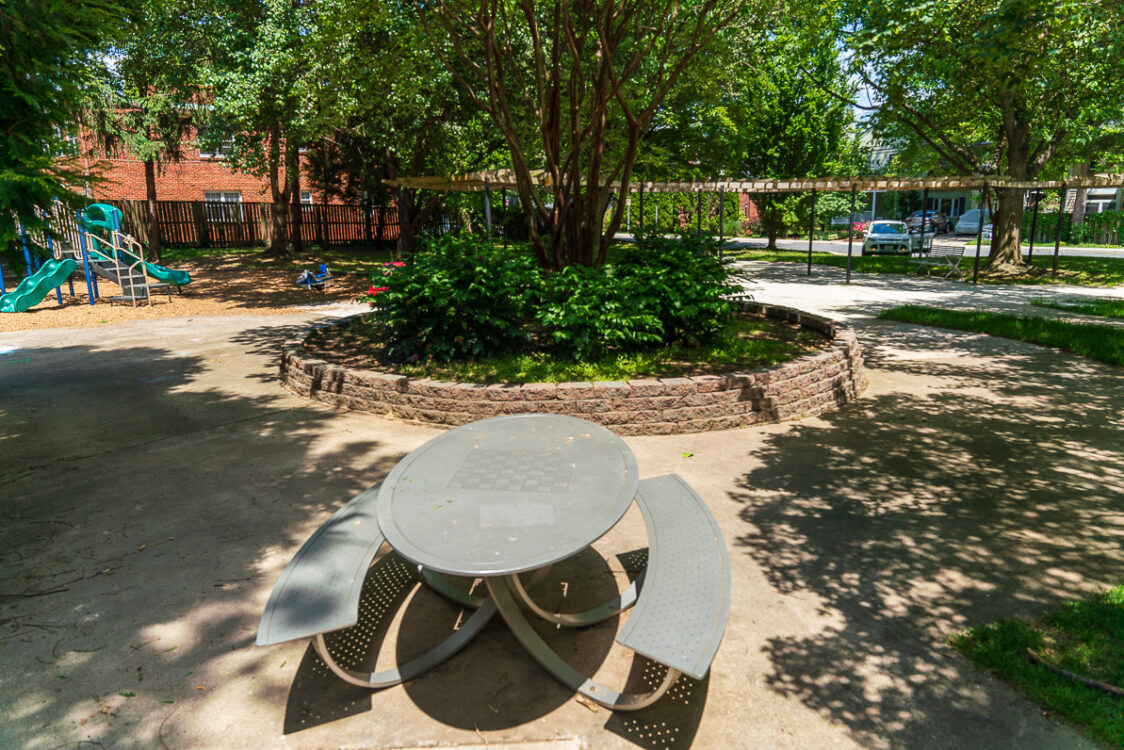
[{"x": 155, "y": 480}]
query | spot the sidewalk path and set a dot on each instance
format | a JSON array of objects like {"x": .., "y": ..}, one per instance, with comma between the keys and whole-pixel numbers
[{"x": 155, "y": 480}]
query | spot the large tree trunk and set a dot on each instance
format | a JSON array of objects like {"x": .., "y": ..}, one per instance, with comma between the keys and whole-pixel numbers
[
  {"x": 1006, "y": 254},
  {"x": 769, "y": 214},
  {"x": 1083, "y": 170},
  {"x": 282, "y": 174},
  {"x": 154, "y": 239},
  {"x": 298, "y": 214},
  {"x": 404, "y": 202}
]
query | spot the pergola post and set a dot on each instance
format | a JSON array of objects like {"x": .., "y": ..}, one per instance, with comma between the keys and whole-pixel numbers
[
  {"x": 487, "y": 208},
  {"x": 721, "y": 219},
  {"x": 851, "y": 234},
  {"x": 642, "y": 207},
  {"x": 811, "y": 230},
  {"x": 979, "y": 236},
  {"x": 1034, "y": 225},
  {"x": 1058, "y": 230},
  {"x": 699, "y": 230},
  {"x": 924, "y": 202}
]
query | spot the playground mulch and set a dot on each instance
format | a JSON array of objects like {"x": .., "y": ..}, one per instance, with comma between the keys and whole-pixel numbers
[{"x": 219, "y": 286}]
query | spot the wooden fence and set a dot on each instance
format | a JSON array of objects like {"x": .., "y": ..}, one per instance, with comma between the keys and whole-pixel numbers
[{"x": 217, "y": 224}]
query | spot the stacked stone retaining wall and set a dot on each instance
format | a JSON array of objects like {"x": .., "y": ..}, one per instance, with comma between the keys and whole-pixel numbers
[{"x": 801, "y": 387}]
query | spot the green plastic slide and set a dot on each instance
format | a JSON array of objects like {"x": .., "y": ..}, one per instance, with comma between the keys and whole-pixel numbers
[
  {"x": 38, "y": 285},
  {"x": 167, "y": 275}
]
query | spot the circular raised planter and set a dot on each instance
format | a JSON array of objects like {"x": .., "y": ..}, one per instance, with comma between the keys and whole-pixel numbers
[{"x": 801, "y": 387}]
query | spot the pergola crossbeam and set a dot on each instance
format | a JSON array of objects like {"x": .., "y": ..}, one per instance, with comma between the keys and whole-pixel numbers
[{"x": 504, "y": 179}]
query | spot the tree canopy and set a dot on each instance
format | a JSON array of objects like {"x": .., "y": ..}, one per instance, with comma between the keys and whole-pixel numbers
[
  {"x": 574, "y": 87},
  {"x": 991, "y": 86},
  {"x": 49, "y": 55}
]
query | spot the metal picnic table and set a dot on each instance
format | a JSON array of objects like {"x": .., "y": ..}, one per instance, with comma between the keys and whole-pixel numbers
[{"x": 510, "y": 495}]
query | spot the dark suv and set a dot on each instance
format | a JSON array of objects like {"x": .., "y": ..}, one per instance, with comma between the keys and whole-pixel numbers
[{"x": 935, "y": 221}]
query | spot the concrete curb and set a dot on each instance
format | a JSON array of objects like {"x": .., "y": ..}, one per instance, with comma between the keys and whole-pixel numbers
[{"x": 802, "y": 387}]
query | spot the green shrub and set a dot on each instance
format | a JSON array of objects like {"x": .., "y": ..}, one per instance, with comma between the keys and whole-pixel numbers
[
  {"x": 587, "y": 311},
  {"x": 460, "y": 297},
  {"x": 681, "y": 282},
  {"x": 464, "y": 298}
]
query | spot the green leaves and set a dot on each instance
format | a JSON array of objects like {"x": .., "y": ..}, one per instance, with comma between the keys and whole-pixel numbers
[
  {"x": 49, "y": 55},
  {"x": 462, "y": 297}
]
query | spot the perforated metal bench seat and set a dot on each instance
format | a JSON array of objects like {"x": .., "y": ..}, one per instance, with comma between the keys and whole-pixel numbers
[
  {"x": 684, "y": 603},
  {"x": 318, "y": 591}
]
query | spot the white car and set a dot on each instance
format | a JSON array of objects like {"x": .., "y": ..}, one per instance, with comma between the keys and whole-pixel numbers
[
  {"x": 969, "y": 222},
  {"x": 885, "y": 237}
]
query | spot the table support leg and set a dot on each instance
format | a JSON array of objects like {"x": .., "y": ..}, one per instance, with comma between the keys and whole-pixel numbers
[
  {"x": 593, "y": 616},
  {"x": 441, "y": 585},
  {"x": 414, "y": 667},
  {"x": 508, "y": 607}
]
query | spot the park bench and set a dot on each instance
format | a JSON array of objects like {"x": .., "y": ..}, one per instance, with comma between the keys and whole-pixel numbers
[
  {"x": 942, "y": 257},
  {"x": 684, "y": 602}
]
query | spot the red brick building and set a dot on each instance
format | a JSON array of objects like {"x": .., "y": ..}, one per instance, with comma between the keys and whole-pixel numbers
[{"x": 198, "y": 176}]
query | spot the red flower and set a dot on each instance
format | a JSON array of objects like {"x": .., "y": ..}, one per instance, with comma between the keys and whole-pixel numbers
[{"x": 373, "y": 290}]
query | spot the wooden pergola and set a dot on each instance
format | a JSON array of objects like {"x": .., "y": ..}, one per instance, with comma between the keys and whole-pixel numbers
[{"x": 504, "y": 179}]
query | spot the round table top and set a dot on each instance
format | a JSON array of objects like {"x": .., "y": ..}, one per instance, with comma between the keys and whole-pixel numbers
[{"x": 507, "y": 494}]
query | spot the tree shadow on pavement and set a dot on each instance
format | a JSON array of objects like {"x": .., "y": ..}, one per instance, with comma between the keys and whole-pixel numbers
[
  {"x": 986, "y": 485},
  {"x": 145, "y": 514}
]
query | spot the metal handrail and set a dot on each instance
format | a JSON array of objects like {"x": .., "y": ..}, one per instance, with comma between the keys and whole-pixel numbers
[
  {"x": 118, "y": 245},
  {"x": 121, "y": 243}
]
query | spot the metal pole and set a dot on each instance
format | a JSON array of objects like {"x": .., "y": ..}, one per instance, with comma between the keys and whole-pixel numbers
[
  {"x": 26, "y": 253},
  {"x": 487, "y": 208},
  {"x": 641, "y": 207},
  {"x": 811, "y": 230},
  {"x": 924, "y": 202},
  {"x": 3, "y": 290},
  {"x": 1034, "y": 225},
  {"x": 979, "y": 235},
  {"x": 850, "y": 234},
  {"x": 721, "y": 219},
  {"x": 91, "y": 283},
  {"x": 700, "y": 212},
  {"x": 1058, "y": 230}
]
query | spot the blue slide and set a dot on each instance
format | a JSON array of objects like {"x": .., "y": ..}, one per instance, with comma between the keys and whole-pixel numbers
[{"x": 38, "y": 285}]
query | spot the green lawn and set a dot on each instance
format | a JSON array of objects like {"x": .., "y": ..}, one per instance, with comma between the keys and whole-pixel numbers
[
  {"x": 1100, "y": 342},
  {"x": 1084, "y": 637},
  {"x": 1078, "y": 271},
  {"x": 1103, "y": 308},
  {"x": 742, "y": 345}
]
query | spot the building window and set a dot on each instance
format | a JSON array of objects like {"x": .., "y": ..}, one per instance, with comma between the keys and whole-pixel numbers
[
  {"x": 306, "y": 197},
  {"x": 223, "y": 205},
  {"x": 219, "y": 151}
]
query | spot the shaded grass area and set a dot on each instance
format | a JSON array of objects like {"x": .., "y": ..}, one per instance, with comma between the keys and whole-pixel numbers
[
  {"x": 1071, "y": 270},
  {"x": 1100, "y": 342},
  {"x": 339, "y": 260},
  {"x": 1083, "y": 637},
  {"x": 1103, "y": 308},
  {"x": 744, "y": 344}
]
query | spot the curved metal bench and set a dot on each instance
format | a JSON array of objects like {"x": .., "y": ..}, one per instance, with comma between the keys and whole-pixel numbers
[
  {"x": 683, "y": 604},
  {"x": 319, "y": 592}
]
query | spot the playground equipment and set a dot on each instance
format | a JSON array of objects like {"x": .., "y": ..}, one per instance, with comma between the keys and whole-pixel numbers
[
  {"x": 119, "y": 258},
  {"x": 38, "y": 285},
  {"x": 317, "y": 281},
  {"x": 91, "y": 240}
]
